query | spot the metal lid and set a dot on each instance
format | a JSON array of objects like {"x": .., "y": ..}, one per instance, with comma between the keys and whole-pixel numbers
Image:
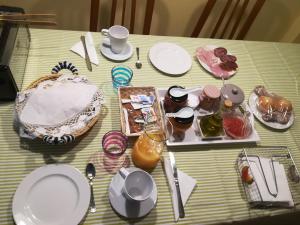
[
  {"x": 212, "y": 91},
  {"x": 233, "y": 92}
]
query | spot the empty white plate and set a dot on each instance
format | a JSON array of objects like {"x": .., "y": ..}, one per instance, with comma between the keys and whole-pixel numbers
[
  {"x": 170, "y": 58},
  {"x": 52, "y": 194}
]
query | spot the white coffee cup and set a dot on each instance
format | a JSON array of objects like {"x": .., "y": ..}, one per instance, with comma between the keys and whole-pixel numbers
[
  {"x": 117, "y": 36},
  {"x": 138, "y": 184}
]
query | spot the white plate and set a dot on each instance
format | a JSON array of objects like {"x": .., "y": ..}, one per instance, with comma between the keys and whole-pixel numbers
[
  {"x": 52, "y": 194},
  {"x": 207, "y": 68},
  {"x": 170, "y": 58},
  {"x": 193, "y": 134},
  {"x": 253, "y": 98},
  {"x": 124, "y": 55},
  {"x": 125, "y": 207}
]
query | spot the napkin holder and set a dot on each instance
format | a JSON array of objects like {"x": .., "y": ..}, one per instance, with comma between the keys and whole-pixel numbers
[
  {"x": 14, "y": 49},
  {"x": 278, "y": 153}
]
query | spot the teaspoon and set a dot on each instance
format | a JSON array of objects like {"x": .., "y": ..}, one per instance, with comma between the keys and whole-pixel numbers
[
  {"x": 138, "y": 63},
  {"x": 185, "y": 112},
  {"x": 179, "y": 92},
  {"x": 90, "y": 172}
]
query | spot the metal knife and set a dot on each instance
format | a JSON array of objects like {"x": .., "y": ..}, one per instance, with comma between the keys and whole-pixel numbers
[
  {"x": 87, "y": 58},
  {"x": 175, "y": 175}
]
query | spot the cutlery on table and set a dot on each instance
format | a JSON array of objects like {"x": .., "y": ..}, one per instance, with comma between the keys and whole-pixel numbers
[
  {"x": 175, "y": 175},
  {"x": 138, "y": 63},
  {"x": 87, "y": 58},
  {"x": 90, "y": 172}
]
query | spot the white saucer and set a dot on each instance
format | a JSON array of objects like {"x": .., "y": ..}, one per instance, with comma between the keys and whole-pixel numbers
[
  {"x": 125, "y": 207},
  {"x": 124, "y": 55}
]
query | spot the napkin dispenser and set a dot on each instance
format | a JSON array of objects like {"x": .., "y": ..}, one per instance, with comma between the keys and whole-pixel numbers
[{"x": 14, "y": 48}]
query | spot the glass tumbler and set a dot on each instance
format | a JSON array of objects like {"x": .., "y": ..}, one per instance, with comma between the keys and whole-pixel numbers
[
  {"x": 121, "y": 76},
  {"x": 114, "y": 143}
]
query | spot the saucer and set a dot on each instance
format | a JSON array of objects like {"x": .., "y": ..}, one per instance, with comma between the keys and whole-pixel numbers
[
  {"x": 126, "y": 207},
  {"x": 124, "y": 55}
]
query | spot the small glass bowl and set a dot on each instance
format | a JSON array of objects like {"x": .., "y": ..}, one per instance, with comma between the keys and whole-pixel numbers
[{"x": 114, "y": 143}]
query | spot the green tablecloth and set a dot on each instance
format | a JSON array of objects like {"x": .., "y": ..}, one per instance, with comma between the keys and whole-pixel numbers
[{"x": 218, "y": 196}]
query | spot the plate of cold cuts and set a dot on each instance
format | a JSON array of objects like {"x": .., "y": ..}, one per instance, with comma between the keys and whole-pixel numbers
[{"x": 217, "y": 60}]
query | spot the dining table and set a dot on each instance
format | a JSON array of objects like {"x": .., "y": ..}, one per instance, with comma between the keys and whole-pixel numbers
[{"x": 218, "y": 197}]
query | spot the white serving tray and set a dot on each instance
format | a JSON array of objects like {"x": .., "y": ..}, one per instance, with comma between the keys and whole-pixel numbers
[{"x": 193, "y": 135}]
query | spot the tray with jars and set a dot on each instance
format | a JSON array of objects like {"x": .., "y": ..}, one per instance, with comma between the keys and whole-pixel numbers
[{"x": 206, "y": 115}]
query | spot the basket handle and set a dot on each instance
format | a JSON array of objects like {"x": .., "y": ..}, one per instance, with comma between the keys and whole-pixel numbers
[
  {"x": 66, "y": 138},
  {"x": 64, "y": 65}
]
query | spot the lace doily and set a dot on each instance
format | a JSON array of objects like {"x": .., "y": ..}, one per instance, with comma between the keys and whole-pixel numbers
[{"x": 66, "y": 131}]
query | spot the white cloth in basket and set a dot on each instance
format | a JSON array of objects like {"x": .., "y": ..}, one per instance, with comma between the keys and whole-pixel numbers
[
  {"x": 284, "y": 197},
  {"x": 56, "y": 103}
]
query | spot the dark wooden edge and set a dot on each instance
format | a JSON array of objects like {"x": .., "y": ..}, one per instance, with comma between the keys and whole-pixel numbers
[
  {"x": 255, "y": 10},
  {"x": 132, "y": 17},
  {"x": 230, "y": 18},
  {"x": 94, "y": 11},
  {"x": 213, "y": 34},
  {"x": 113, "y": 12},
  {"x": 148, "y": 16},
  {"x": 238, "y": 19},
  {"x": 209, "y": 6}
]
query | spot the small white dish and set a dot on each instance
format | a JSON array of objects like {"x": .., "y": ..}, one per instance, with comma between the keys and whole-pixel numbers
[
  {"x": 207, "y": 68},
  {"x": 124, "y": 55},
  {"x": 125, "y": 207},
  {"x": 52, "y": 194},
  {"x": 253, "y": 98},
  {"x": 170, "y": 58}
]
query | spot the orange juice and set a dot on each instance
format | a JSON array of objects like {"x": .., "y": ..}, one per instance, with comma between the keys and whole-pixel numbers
[{"x": 147, "y": 150}]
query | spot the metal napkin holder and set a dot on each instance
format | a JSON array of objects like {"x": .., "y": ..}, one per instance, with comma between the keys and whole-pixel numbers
[{"x": 281, "y": 154}]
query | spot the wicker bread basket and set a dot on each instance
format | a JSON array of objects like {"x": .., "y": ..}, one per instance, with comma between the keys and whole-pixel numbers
[{"x": 67, "y": 137}]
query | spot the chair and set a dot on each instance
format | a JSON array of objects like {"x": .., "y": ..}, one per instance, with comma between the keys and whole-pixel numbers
[
  {"x": 147, "y": 19},
  {"x": 233, "y": 19}
]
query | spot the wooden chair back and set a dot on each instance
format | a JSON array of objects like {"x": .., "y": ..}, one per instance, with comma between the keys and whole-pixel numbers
[
  {"x": 230, "y": 17},
  {"x": 147, "y": 18}
]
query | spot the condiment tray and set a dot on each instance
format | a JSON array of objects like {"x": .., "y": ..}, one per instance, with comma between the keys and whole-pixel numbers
[{"x": 192, "y": 135}]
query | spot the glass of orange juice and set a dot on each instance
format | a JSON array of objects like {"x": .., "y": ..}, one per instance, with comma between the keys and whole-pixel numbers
[{"x": 150, "y": 145}]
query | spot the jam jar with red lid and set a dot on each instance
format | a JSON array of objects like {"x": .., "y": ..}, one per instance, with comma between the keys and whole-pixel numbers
[{"x": 173, "y": 101}]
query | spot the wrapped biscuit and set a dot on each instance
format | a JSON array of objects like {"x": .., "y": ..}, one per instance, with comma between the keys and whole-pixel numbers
[{"x": 274, "y": 108}]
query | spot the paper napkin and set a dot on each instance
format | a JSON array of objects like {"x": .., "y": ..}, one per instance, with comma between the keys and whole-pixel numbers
[
  {"x": 186, "y": 184},
  {"x": 79, "y": 49},
  {"x": 284, "y": 197}
]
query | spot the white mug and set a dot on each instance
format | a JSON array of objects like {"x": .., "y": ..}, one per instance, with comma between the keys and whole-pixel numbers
[
  {"x": 118, "y": 36},
  {"x": 138, "y": 184}
]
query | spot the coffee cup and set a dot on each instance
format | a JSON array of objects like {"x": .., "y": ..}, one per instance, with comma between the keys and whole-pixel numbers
[
  {"x": 138, "y": 185},
  {"x": 117, "y": 36}
]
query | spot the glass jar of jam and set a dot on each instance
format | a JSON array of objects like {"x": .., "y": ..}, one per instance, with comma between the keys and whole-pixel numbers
[
  {"x": 179, "y": 126},
  {"x": 173, "y": 102},
  {"x": 211, "y": 125},
  {"x": 210, "y": 98}
]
